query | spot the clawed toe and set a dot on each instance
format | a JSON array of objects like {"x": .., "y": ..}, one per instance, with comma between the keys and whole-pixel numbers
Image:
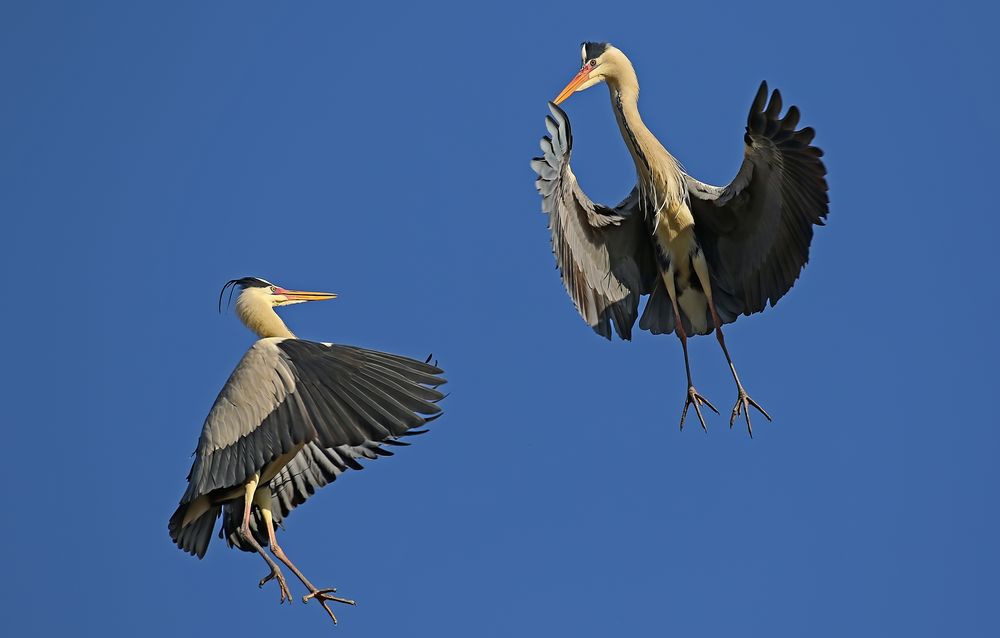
[
  {"x": 276, "y": 574},
  {"x": 695, "y": 399},
  {"x": 743, "y": 403},
  {"x": 323, "y": 596}
]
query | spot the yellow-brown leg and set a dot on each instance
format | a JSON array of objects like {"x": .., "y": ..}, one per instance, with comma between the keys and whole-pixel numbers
[
  {"x": 322, "y": 595},
  {"x": 743, "y": 400},
  {"x": 692, "y": 397},
  {"x": 247, "y": 536}
]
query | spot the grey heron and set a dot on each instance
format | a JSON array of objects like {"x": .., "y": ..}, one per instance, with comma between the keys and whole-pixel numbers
[
  {"x": 293, "y": 416},
  {"x": 704, "y": 254}
]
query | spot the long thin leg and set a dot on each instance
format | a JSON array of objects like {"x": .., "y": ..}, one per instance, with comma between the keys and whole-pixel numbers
[
  {"x": 693, "y": 397},
  {"x": 247, "y": 536},
  {"x": 743, "y": 400},
  {"x": 322, "y": 595}
]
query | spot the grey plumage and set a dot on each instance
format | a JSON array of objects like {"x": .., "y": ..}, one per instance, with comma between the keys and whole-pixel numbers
[
  {"x": 338, "y": 403},
  {"x": 755, "y": 232},
  {"x": 703, "y": 254},
  {"x": 312, "y": 468},
  {"x": 604, "y": 254}
]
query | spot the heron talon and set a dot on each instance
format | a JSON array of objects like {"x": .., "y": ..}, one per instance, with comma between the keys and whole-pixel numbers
[
  {"x": 742, "y": 407},
  {"x": 275, "y": 574},
  {"x": 322, "y": 595},
  {"x": 695, "y": 399}
]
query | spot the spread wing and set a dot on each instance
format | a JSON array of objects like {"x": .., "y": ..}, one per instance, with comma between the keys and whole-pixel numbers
[
  {"x": 603, "y": 254},
  {"x": 757, "y": 230},
  {"x": 288, "y": 392},
  {"x": 311, "y": 469},
  {"x": 326, "y": 404}
]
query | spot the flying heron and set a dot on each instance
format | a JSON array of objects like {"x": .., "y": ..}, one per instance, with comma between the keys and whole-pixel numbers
[
  {"x": 704, "y": 254},
  {"x": 293, "y": 416}
]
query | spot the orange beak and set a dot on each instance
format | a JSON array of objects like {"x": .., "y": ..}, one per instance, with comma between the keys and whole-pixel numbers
[
  {"x": 577, "y": 80},
  {"x": 304, "y": 295}
]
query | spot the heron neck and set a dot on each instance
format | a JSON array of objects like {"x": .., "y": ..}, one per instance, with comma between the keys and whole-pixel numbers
[
  {"x": 653, "y": 162},
  {"x": 262, "y": 320}
]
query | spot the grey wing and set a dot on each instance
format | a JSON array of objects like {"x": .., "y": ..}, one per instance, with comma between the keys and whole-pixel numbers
[
  {"x": 254, "y": 420},
  {"x": 312, "y": 468},
  {"x": 757, "y": 230},
  {"x": 287, "y": 392},
  {"x": 316, "y": 466},
  {"x": 603, "y": 254}
]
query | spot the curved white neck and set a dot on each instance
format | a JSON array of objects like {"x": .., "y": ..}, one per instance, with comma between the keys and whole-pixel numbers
[
  {"x": 257, "y": 314},
  {"x": 657, "y": 170}
]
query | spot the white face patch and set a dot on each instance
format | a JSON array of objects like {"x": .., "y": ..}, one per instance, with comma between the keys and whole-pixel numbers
[{"x": 256, "y": 295}]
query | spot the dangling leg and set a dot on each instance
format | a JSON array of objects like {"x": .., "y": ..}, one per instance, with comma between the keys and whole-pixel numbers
[
  {"x": 692, "y": 398},
  {"x": 322, "y": 595},
  {"x": 247, "y": 536},
  {"x": 743, "y": 401}
]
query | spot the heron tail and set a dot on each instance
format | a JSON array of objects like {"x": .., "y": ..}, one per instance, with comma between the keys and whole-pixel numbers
[
  {"x": 232, "y": 516},
  {"x": 194, "y": 537}
]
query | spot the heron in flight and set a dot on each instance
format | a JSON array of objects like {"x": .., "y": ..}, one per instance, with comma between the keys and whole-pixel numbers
[
  {"x": 293, "y": 416},
  {"x": 704, "y": 254}
]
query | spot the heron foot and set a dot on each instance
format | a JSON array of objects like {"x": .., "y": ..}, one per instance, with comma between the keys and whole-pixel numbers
[
  {"x": 276, "y": 574},
  {"x": 695, "y": 399},
  {"x": 323, "y": 595},
  {"x": 743, "y": 403}
]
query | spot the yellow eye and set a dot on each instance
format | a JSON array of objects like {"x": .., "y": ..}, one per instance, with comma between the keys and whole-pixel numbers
[
  {"x": 274, "y": 288},
  {"x": 593, "y": 63}
]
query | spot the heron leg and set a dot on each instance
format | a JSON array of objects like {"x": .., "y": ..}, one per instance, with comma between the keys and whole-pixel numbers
[
  {"x": 322, "y": 595},
  {"x": 743, "y": 400},
  {"x": 693, "y": 398},
  {"x": 247, "y": 536}
]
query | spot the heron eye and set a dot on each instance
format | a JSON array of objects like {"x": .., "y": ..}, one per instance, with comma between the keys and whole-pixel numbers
[
  {"x": 274, "y": 289},
  {"x": 593, "y": 63}
]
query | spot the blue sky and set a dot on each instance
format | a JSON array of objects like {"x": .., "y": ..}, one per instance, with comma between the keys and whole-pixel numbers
[{"x": 150, "y": 153}]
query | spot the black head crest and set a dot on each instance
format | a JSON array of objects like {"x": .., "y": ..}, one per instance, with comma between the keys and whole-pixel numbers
[
  {"x": 245, "y": 282},
  {"x": 593, "y": 50}
]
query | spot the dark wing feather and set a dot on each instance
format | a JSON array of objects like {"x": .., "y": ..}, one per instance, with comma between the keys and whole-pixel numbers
[
  {"x": 311, "y": 469},
  {"x": 355, "y": 396},
  {"x": 604, "y": 254},
  {"x": 757, "y": 230},
  {"x": 337, "y": 401}
]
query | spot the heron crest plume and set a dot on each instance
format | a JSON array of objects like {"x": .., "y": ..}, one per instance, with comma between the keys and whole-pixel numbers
[{"x": 243, "y": 283}]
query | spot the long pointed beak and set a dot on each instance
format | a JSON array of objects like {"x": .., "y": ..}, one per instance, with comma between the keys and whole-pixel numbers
[
  {"x": 577, "y": 80},
  {"x": 305, "y": 295}
]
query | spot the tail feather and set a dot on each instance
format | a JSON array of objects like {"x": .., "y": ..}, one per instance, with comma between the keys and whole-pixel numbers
[
  {"x": 194, "y": 537},
  {"x": 232, "y": 519}
]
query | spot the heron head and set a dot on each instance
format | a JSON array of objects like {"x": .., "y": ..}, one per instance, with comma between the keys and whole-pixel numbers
[
  {"x": 600, "y": 61},
  {"x": 257, "y": 290}
]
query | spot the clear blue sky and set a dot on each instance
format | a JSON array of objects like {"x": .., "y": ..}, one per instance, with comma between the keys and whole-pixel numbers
[{"x": 149, "y": 154}]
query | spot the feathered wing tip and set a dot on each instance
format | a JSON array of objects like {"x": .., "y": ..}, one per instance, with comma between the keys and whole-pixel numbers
[
  {"x": 601, "y": 253},
  {"x": 311, "y": 469},
  {"x": 756, "y": 231}
]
